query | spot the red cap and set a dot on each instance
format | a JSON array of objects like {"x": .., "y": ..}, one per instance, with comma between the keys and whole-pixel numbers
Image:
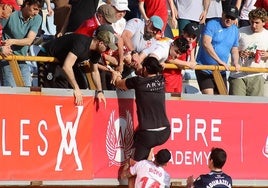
[{"x": 13, "y": 3}]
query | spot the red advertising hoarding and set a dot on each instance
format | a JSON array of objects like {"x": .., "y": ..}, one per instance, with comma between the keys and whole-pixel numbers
[{"x": 49, "y": 138}]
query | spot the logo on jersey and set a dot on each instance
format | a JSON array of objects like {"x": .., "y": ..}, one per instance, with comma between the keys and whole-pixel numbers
[
  {"x": 265, "y": 148},
  {"x": 119, "y": 138}
]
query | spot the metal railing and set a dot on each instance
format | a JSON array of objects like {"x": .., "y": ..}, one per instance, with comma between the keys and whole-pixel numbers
[{"x": 41, "y": 59}]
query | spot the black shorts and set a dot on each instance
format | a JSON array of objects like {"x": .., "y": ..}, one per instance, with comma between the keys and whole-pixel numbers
[
  {"x": 206, "y": 81},
  {"x": 145, "y": 140}
]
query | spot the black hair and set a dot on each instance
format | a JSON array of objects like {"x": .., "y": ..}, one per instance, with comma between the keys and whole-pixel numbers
[
  {"x": 182, "y": 44},
  {"x": 39, "y": 3},
  {"x": 162, "y": 157},
  {"x": 218, "y": 156},
  {"x": 152, "y": 65}
]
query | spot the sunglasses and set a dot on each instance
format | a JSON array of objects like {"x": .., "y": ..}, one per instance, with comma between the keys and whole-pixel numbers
[{"x": 230, "y": 17}]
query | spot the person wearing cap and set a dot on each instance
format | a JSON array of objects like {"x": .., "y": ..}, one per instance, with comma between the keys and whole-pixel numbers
[
  {"x": 149, "y": 8},
  {"x": 153, "y": 127},
  {"x": 178, "y": 51},
  {"x": 219, "y": 39},
  {"x": 12, "y": 4},
  {"x": 251, "y": 42},
  {"x": 19, "y": 31},
  {"x": 139, "y": 37},
  {"x": 71, "y": 50},
  {"x": 191, "y": 11},
  {"x": 105, "y": 15},
  {"x": 182, "y": 54},
  {"x": 6, "y": 8},
  {"x": 150, "y": 173},
  {"x": 121, "y": 7},
  {"x": 217, "y": 159}
]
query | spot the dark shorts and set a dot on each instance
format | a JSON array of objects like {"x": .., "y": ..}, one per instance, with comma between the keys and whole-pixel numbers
[
  {"x": 206, "y": 81},
  {"x": 145, "y": 140}
]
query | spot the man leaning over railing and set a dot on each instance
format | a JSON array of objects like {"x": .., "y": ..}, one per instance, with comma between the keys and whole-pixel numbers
[{"x": 72, "y": 49}]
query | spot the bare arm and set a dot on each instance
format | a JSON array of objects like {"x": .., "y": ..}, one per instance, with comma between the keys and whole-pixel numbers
[
  {"x": 181, "y": 63},
  {"x": 210, "y": 50},
  {"x": 174, "y": 13},
  {"x": 238, "y": 4},
  {"x": 49, "y": 9},
  {"x": 142, "y": 10},
  {"x": 203, "y": 15},
  {"x": 27, "y": 41},
  {"x": 97, "y": 81},
  {"x": 120, "y": 45},
  {"x": 126, "y": 36},
  {"x": 68, "y": 69},
  {"x": 235, "y": 58},
  {"x": 118, "y": 81}
]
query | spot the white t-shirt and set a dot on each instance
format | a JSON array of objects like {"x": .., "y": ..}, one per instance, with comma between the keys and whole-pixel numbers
[
  {"x": 189, "y": 9},
  {"x": 215, "y": 9},
  {"x": 136, "y": 27},
  {"x": 251, "y": 41},
  {"x": 161, "y": 49},
  {"x": 148, "y": 175},
  {"x": 119, "y": 26},
  {"x": 247, "y": 7}
]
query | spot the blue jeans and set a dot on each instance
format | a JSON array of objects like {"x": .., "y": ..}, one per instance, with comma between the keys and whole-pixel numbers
[{"x": 8, "y": 78}]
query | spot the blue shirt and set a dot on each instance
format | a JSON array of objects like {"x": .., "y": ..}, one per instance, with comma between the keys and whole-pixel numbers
[
  {"x": 16, "y": 28},
  {"x": 223, "y": 40}
]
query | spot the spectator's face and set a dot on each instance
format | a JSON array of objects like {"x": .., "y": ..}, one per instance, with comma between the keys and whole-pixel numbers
[
  {"x": 228, "y": 20},
  {"x": 6, "y": 11},
  {"x": 189, "y": 38},
  {"x": 120, "y": 14},
  {"x": 257, "y": 25},
  {"x": 102, "y": 47},
  {"x": 32, "y": 10},
  {"x": 150, "y": 31},
  {"x": 174, "y": 52}
]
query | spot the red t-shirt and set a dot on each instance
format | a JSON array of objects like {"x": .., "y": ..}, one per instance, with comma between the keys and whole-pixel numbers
[
  {"x": 157, "y": 8},
  {"x": 88, "y": 27},
  {"x": 173, "y": 77}
]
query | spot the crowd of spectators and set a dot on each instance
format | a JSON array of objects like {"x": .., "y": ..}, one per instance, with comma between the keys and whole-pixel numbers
[{"x": 127, "y": 45}]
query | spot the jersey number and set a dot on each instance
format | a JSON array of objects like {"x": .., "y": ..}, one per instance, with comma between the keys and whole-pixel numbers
[{"x": 144, "y": 181}]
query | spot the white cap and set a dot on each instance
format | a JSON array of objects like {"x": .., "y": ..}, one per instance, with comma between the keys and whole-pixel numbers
[{"x": 120, "y": 5}]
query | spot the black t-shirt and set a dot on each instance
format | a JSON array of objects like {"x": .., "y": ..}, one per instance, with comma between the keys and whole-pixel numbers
[
  {"x": 213, "y": 180},
  {"x": 150, "y": 101},
  {"x": 75, "y": 43},
  {"x": 81, "y": 11}
]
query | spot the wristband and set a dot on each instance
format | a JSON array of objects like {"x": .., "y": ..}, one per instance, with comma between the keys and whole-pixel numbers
[{"x": 99, "y": 91}]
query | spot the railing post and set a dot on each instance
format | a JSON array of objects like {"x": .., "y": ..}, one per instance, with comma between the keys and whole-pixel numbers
[
  {"x": 15, "y": 69},
  {"x": 219, "y": 81}
]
